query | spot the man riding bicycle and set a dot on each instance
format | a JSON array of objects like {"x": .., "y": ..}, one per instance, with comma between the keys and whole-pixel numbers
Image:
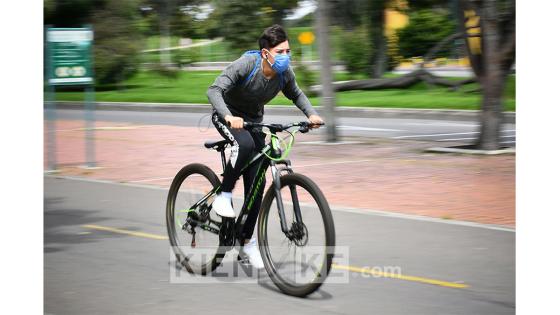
[{"x": 239, "y": 94}]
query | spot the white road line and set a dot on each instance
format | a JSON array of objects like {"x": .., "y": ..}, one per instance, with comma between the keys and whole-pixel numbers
[
  {"x": 436, "y": 135},
  {"x": 149, "y": 180},
  {"x": 453, "y": 139},
  {"x": 331, "y": 163},
  {"x": 372, "y": 212},
  {"x": 357, "y": 128},
  {"x": 444, "y": 134},
  {"x": 321, "y": 142},
  {"x": 441, "y": 124}
]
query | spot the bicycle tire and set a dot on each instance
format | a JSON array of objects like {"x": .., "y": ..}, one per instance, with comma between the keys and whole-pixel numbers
[
  {"x": 181, "y": 176},
  {"x": 312, "y": 188}
]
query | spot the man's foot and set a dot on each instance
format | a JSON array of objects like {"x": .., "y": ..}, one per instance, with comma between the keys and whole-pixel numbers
[
  {"x": 222, "y": 205},
  {"x": 251, "y": 249}
]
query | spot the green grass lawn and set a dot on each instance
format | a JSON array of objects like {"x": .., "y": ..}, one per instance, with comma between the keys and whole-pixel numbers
[{"x": 190, "y": 87}]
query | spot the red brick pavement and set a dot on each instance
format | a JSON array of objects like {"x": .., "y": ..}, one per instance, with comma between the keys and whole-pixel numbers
[{"x": 379, "y": 174}]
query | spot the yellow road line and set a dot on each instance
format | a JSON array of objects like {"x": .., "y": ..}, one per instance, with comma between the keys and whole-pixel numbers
[
  {"x": 335, "y": 266},
  {"x": 120, "y": 231},
  {"x": 400, "y": 276}
]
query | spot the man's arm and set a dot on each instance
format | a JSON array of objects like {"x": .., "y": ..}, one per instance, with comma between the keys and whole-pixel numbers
[
  {"x": 231, "y": 75},
  {"x": 292, "y": 91}
]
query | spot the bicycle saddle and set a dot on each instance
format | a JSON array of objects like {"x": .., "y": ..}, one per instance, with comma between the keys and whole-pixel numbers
[{"x": 218, "y": 145}]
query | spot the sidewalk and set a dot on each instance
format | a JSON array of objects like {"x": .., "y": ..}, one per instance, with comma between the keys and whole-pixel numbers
[{"x": 379, "y": 174}]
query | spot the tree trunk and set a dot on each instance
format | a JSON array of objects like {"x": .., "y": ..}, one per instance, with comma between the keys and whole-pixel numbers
[
  {"x": 491, "y": 51},
  {"x": 493, "y": 79},
  {"x": 379, "y": 57},
  {"x": 327, "y": 92},
  {"x": 491, "y": 118},
  {"x": 164, "y": 41}
]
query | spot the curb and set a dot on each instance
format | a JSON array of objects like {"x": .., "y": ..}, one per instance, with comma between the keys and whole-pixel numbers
[
  {"x": 350, "y": 112},
  {"x": 470, "y": 151}
]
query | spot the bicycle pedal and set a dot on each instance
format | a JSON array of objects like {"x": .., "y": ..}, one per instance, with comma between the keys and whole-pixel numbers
[{"x": 243, "y": 260}]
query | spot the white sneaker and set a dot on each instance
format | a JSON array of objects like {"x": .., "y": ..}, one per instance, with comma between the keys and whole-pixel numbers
[
  {"x": 222, "y": 206},
  {"x": 251, "y": 249}
]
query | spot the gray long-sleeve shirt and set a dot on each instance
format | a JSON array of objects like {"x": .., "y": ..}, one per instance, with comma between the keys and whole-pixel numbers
[{"x": 231, "y": 95}]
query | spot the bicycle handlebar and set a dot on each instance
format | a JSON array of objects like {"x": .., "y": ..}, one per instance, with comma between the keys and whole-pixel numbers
[{"x": 304, "y": 126}]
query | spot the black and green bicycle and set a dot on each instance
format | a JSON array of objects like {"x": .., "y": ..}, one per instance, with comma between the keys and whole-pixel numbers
[{"x": 296, "y": 231}]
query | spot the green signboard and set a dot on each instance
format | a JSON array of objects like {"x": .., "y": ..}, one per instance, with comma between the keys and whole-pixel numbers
[
  {"x": 69, "y": 56},
  {"x": 69, "y": 62}
]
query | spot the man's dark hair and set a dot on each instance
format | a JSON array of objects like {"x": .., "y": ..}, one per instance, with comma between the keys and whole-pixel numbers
[{"x": 272, "y": 36}]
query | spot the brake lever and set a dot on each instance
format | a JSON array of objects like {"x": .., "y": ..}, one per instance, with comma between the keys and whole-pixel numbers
[{"x": 303, "y": 129}]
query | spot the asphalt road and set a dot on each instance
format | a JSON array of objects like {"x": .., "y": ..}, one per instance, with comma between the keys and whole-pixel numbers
[
  {"x": 106, "y": 253},
  {"x": 439, "y": 131}
]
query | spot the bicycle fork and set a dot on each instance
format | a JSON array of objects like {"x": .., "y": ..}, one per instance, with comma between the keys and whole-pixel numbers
[{"x": 278, "y": 193}]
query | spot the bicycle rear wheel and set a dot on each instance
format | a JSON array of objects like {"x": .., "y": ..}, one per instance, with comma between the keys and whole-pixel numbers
[
  {"x": 298, "y": 262},
  {"x": 192, "y": 226}
]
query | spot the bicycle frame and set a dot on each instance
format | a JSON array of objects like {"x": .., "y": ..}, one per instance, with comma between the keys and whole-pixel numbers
[{"x": 263, "y": 159}]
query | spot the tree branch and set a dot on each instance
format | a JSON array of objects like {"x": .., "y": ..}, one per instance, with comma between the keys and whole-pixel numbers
[{"x": 430, "y": 55}]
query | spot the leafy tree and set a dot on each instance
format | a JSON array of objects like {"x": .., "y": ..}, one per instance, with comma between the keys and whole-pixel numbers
[
  {"x": 280, "y": 8},
  {"x": 117, "y": 35},
  {"x": 68, "y": 13},
  {"x": 348, "y": 13},
  {"x": 243, "y": 22},
  {"x": 182, "y": 24},
  {"x": 355, "y": 51},
  {"x": 165, "y": 10},
  {"x": 425, "y": 29},
  {"x": 212, "y": 25},
  {"x": 118, "y": 40}
]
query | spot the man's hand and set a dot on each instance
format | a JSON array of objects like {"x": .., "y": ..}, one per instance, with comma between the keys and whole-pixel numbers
[
  {"x": 315, "y": 121},
  {"x": 234, "y": 122}
]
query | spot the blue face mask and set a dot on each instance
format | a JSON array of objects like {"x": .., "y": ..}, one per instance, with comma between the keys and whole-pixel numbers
[{"x": 281, "y": 63}]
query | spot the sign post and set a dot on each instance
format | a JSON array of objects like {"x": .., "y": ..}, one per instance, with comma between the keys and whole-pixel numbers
[{"x": 69, "y": 62}]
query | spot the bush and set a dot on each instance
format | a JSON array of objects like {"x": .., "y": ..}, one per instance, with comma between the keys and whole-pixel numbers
[
  {"x": 165, "y": 72},
  {"x": 355, "y": 51},
  {"x": 183, "y": 57},
  {"x": 305, "y": 77},
  {"x": 425, "y": 29},
  {"x": 117, "y": 41}
]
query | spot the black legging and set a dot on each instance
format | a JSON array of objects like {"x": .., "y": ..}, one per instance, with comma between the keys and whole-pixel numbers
[{"x": 245, "y": 144}]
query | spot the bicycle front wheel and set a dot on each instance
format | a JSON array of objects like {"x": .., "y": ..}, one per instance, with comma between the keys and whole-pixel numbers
[{"x": 299, "y": 260}]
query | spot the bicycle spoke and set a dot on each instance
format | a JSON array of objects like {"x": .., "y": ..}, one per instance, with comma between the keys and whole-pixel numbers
[{"x": 296, "y": 257}]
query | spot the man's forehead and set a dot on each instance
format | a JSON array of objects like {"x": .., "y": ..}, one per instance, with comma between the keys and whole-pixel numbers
[{"x": 282, "y": 45}]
